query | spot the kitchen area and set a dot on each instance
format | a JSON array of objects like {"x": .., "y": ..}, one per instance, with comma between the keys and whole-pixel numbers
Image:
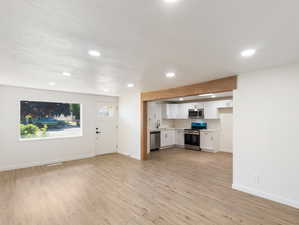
[{"x": 196, "y": 123}]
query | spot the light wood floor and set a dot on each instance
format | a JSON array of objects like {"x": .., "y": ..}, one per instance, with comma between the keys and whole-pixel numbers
[{"x": 175, "y": 187}]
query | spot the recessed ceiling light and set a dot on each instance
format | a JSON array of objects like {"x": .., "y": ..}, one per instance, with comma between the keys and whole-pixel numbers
[
  {"x": 248, "y": 52},
  {"x": 67, "y": 74},
  {"x": 94, "y": 53},
  {"x": 131, "y": 85},
  {"x": 105, "y": 90},
  {"x": 181, "y": 99},
  {"x": 204, "y": 95},
  {"x": 170, "y": 74},
  {"x": 52, "y": 83}
]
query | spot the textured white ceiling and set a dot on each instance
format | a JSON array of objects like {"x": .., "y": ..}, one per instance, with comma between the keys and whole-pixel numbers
[{"x": 140, "y": 40}]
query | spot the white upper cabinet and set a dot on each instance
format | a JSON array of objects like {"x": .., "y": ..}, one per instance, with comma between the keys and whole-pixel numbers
[
  {"x": 175, "y": 111},
  {"x": 211, "y": 110},
  {"x": 180, "y": 111},
  {"x": 165, "y": 111},
  {"x": 169, "y": 111},
  {"x": 225, "y": 104}
]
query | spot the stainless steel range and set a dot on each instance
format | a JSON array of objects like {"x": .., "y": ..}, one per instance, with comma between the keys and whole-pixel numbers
[{"x": 192, "y": 136}]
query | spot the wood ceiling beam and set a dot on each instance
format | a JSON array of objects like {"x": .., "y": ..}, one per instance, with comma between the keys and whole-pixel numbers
[{"x": 213, "y": 86}]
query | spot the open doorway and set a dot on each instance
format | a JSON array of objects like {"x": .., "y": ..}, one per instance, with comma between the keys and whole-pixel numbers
[{"x": 196, "y": 123}]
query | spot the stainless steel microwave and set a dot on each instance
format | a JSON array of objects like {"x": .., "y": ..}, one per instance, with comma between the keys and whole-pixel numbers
[{"x": 196, "y": 113}]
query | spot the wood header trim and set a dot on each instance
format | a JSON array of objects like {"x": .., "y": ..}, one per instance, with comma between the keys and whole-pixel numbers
[
  {"x": 144, "y": 138},
  {"x": 213, "y": 86}
]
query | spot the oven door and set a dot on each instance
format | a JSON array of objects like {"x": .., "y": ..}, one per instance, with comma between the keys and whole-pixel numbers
[
  {"x": 195, "y": 140},
  {"x": 192, "y": 139},
  {"x": 188, "y": 139}
]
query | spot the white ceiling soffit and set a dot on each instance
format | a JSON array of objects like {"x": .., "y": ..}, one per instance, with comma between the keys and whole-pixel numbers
[{"x": 141, "y": 40}]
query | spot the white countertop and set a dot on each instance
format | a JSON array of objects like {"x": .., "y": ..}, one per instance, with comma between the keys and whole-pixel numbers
[
  {"x": 167, "y": 128},
  {"x": 172, "y": 128},
  {"x": 210, "y": 130}
]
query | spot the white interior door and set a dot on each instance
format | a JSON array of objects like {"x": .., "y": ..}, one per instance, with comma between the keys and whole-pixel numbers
[{"x": 106, "y": 128}]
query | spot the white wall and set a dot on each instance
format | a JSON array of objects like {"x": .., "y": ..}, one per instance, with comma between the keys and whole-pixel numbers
[
  {"x": 129, "y": 124},
  {"x": 266, "y": 134},
  {"x": 18, "y": 154},
  {"x": 226, "y": 129}
]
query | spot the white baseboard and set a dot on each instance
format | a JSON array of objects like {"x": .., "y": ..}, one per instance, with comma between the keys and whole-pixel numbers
[
  {"x": 47, "y": 162},
  {"x": 129, "y": 155},
  {"x": 63, "y": 159},
  {"x": 168, "y": 146},
  {"x": 226, "y": 150},
  {"x": 209, "y": 150},
  {"x": 135, "y": 157},
  {"x": 180, "y": 146},
  {"x": 265, "y": 195}
]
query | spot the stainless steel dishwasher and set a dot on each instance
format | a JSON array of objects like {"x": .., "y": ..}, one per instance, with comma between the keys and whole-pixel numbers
[{"x": 155, "y": 140}]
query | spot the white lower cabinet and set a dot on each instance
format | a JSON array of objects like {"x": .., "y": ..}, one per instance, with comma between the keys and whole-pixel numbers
[
  {"x": 209, "y": 141},
  {"x": 179, "y": 138},
  {"x": 171, "y": 137},
  {"x": 163, "y": 138},
  {"x": 167, "y": 138}
]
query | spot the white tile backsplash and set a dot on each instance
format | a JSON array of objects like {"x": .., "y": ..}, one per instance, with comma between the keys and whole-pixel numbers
[
  {"x": 167, "y": 123},
  {"x": 213, "y": 124},
  {"x": 182, "y": 123},
  {"x": 186, "y": 123}
]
